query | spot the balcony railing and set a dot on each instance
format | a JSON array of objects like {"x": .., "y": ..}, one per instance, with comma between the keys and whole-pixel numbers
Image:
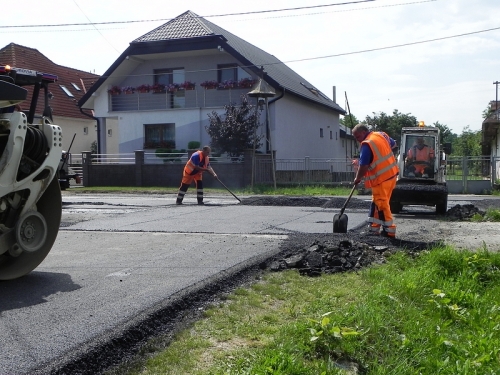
[{"x": 197, "y": 98}]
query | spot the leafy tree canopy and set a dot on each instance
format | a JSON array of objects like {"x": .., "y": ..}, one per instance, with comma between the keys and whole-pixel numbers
[
  {"x": 348, "y": 121},
  {"x": 236, "y": 130},
  {"x": 390, "y": 124},
  {"x": 447, "y": 136},
  {"x": 468, "y": 143}
]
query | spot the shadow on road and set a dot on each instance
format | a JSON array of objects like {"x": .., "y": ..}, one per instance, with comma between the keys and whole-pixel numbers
[{"x": 33, "y": 289}]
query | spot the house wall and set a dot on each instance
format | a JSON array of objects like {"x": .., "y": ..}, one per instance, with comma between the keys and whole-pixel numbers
[
  {"x": 295, "y": 123},
  {"x": 296, "y": 127},
  {"x": 72, "y": 126}
]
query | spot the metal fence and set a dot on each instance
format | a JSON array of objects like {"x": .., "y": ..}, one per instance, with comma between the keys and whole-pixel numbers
[
  {"x": 473, "y": 175},
  {"x": 197, "y": 98},
  {"x": 306, "y": 171}
]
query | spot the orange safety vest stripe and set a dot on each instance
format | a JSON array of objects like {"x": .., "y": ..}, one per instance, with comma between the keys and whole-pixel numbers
[{"x": 384, "y": 165}]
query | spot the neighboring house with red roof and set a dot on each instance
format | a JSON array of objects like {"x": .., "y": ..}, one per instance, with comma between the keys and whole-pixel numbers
[
  {"x": 69, "y": 88},
  {"x": 221, "y": 67}
]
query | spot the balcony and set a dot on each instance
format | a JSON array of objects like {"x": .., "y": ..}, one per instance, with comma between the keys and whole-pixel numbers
[{"x": 197, "y": 98}]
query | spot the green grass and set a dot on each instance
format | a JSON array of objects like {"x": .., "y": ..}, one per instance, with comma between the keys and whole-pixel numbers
[
  {"x": 491, "y": 214},
  {"x": 435, "y": 313},
  {"x": 304, "y": 190}
]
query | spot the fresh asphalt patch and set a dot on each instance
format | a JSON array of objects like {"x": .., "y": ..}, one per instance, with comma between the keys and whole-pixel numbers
[{"x": 312, "y": 254}]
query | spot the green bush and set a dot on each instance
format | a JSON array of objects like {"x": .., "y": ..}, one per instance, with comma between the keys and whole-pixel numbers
[{"x": 194, "y": 145}]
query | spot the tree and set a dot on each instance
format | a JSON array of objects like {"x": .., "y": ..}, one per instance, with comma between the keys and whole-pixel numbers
[
  {"x": 236, "y": 131},
  {"x": 447, "y": 136},
  {"x": 468, "y": 143},
  {"x": 391, "y": 125},
  {"x": 346, "y": 121}
]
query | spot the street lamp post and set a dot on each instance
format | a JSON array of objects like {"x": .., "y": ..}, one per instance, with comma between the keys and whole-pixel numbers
[{"x": 262, "y": 90}]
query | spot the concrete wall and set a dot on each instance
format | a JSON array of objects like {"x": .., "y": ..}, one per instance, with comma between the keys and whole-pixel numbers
[{"x": 234, "y": 175}]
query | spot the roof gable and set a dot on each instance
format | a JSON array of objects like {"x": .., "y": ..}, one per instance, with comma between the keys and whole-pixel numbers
[
  {"x": 190, "y": 27},
  {"x": 187, "y": 25},
  {"x": 62, "y": 105}
]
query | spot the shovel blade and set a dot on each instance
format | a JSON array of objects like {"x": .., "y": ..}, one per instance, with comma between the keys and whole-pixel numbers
[{"x": 340, "y": 223}]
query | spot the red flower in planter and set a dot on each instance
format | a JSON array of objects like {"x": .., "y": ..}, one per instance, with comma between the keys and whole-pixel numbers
[
  {"x": 143, "y": 88},
  {"x": 209, "y": 85},
  {"x": 115, "y": 90},
  {"x": 158, "y": 87},
  {"x": 188, "y": 85}
]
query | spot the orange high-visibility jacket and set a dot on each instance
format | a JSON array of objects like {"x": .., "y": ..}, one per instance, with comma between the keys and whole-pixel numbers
[
  {"x": 425, "y": 154},
  {"x": 190, "y": 169},
  {"x": 384, "y": 165}
]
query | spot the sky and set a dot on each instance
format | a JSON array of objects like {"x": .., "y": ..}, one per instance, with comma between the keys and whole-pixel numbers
[{"x": 437, "y": 60}]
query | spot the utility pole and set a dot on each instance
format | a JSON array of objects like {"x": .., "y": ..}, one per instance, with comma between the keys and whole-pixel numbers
[{"x": 496, "y": 98}]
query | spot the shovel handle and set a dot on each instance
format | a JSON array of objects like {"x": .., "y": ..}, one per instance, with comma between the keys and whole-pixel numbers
[{"x": 348, "y": 199}]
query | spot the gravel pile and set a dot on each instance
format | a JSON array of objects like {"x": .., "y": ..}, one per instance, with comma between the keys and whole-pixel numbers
[
  {"x": 463, "y": 212},
  {"x": 332, "y": 257}
]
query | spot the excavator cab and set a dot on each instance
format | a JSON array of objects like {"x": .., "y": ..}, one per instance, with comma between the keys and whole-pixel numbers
[
  {"x": 419, "y": 159},
  {"x": 422, "y": 170}
]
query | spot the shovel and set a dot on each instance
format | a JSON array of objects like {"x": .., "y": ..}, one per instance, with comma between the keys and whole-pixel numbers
[
  {"x": 340, "y": 220},
  {"x": 217, "y": 178}
]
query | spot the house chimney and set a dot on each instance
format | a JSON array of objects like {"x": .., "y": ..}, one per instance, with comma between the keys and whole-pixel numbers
[{"x": 334, "y": 94}]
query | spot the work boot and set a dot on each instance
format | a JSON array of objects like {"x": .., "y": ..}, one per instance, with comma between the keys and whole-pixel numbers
[
  {"x": 201, "y": 203},
  {"x": 178, "y": 202},
  {"x": 385, "y": 234}
]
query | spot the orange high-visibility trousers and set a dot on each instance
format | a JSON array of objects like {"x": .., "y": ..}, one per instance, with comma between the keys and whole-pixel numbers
[{"x": 380, "y": 210}]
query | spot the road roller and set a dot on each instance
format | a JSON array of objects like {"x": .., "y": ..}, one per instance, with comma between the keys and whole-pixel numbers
[{"x": 30, "y": 152}]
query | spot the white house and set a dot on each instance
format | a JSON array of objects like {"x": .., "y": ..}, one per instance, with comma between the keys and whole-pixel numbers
[{"x": 188, "y": 54}]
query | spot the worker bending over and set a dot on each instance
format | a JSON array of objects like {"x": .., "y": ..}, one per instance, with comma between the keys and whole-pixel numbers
[{"x": 193, "y": 171}]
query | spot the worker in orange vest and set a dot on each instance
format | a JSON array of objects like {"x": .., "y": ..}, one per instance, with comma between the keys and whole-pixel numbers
[
  {"x": 378, "y": 166},
  {"x": 198, "y": 163},
  {"x": 420, "y": 152}
]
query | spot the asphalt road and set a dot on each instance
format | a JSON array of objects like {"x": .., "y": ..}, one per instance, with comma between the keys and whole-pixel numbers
[{"x": 119, "y": 259}]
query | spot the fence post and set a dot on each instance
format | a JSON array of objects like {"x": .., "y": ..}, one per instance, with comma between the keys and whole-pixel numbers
[
  {"x": 86, "y": 168},
  {"x": 493, "y": 166},
  {"x": 465, "y": 173},
  {"x": 307, "y": 168},
  {"x": 139, "y": 162}
]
